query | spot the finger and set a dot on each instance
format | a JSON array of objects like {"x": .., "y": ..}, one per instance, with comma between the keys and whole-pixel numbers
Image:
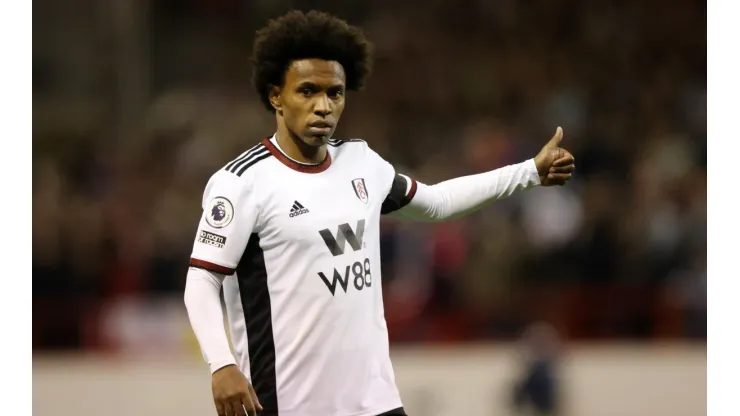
[
  {"x": 236, "y": 404},
  {"x": 220, "y": 409},
  {"x": 249, "y": 405},
  {"x": 255, "y": 399},
  {"x": 555, "y": 183},
  {"x": 558, "y": 177},
  {"x": 228, "y": 408},
  {"x": 563, "y": 169},
  {"x": 565, "y": 160},
  {"x": 555, "y": 140},
  {"x": 250, "y": 412}
]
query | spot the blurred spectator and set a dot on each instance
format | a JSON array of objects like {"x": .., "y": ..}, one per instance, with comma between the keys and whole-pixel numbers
[{"x": 538, "y": 393}]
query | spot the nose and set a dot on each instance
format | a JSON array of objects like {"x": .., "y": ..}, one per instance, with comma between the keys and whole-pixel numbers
[{"x": 323, "y": 106}]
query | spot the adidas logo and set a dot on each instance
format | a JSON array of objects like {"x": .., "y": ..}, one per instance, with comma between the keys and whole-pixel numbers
[{"x": 297, "y": 209}]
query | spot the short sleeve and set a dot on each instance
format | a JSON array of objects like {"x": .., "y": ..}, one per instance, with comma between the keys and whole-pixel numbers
[
  {"x": 400, "y": 189},
  {"x": 401, "y": 193},
  {"x": 228, "y": 219}
]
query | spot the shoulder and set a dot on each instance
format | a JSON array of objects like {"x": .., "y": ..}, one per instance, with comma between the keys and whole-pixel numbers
[
  {"x": 341, "y": 142},
  {"x": 246, "y": 163},
  {"x": 356, "y": 147},
  {"x": 359, "y": 151},
  {"x": 353, "y": 148},
  {"x": 238, "y": 175}
]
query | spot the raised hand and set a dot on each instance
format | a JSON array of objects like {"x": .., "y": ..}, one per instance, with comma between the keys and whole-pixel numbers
[{"x": 555, "y": 165}]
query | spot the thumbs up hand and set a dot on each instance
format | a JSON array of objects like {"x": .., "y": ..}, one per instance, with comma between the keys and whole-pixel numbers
[{"x": 554, "y": 164}]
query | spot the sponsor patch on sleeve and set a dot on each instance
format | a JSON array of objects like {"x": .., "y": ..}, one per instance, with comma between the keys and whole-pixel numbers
[{"x": 211, "y": 239}]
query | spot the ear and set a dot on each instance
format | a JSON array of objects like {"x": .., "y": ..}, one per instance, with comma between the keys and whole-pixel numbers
[{"x": 275, "y": 98}]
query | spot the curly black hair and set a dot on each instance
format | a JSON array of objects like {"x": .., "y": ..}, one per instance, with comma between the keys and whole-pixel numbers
[{"x": 297, "y": 35}]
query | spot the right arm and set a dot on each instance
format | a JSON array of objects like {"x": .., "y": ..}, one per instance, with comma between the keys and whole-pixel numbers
[
  {"x": 229, "y": 216},
  {"x": 203, "y": 302}
]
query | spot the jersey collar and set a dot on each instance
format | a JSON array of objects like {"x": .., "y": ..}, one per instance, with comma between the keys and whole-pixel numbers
[{"x": 300, "y": 167}]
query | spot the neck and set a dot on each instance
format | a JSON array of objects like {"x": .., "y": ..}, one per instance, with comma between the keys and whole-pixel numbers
[{"x": 296, "y": 148}]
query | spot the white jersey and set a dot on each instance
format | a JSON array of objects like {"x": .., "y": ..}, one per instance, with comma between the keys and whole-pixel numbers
[{"x": 300, "y": 246}]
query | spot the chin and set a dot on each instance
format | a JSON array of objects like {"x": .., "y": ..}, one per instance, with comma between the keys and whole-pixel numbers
[{"x": 316, "y": 140}]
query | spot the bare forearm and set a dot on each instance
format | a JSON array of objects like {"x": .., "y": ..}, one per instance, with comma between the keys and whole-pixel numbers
[{"x": 202, "y": 300}]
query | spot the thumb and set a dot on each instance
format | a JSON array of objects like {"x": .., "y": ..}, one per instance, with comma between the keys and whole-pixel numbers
[{"x": 556, "y": 139}]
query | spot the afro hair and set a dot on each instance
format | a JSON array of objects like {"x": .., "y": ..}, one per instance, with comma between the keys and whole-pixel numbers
[{"x": 297, "y": 35}]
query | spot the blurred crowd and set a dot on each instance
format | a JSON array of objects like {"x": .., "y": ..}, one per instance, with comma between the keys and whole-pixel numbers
[{"x": 135, "y": 109}]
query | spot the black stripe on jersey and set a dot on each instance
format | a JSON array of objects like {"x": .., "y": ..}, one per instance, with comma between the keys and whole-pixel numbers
[
  {"x": 397, "y": 197},
  {"x": 252, "y": 162},
  {"x": 337, "y": 143},
  {"x": 298, "y": 204},
  {"x": 394, "y": 412},
  {"x": 243, "y": 156},
  {"x": 242, "y": 165},
  {"x": 255, "y": 297}
]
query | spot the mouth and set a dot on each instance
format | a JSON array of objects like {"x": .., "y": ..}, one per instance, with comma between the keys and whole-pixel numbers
[
  {"x": 321, "y": 124},
  {"x": 321, "y": 127}
]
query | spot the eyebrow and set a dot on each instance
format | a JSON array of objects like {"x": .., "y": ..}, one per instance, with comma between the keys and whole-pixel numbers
[{"x": 312, "y": 84}]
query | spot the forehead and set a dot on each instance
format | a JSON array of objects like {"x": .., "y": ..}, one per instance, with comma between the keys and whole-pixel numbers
[{"x": 317, "y": 71}]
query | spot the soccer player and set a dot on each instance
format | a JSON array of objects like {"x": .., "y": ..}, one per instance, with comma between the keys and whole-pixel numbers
[{"x": 290, "y": 232}]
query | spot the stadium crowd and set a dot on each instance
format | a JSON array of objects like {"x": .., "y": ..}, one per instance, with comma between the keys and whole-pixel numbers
[{"x": 458, "y": 88}]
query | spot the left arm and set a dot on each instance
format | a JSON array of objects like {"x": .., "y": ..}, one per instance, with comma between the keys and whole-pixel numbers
[{"x": 450, "y": 199}]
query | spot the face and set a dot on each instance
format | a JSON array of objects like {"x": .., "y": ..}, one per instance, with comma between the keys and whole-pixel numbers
[{"x": 311, "y": 99}]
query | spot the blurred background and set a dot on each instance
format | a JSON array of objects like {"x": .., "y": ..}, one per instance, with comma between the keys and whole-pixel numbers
[{"x": 137, "y": 102}]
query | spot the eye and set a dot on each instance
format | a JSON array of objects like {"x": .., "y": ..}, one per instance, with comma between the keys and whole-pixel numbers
[
  {"x": 306, "y": 92},
  {"x": 336, "y": 93}
]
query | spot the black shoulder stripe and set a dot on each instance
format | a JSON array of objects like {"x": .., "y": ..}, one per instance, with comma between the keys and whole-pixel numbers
[
  {"x": 248, "y": 154},
  {"x": 345, "y": 140},
  {"x": 337, "y": 143},
  {"x": 257, "y": 153},
  {"x": 241, "y": 156},
  {"x": 244, "y": 156},
  {"x": 248, "y": 160},
  {"x": 252, "y": 162}
]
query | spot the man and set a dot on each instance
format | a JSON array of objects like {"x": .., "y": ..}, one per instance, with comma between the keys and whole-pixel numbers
[
  {"x": 290, "y": 229},
  {"x": 537, "y": 390}
]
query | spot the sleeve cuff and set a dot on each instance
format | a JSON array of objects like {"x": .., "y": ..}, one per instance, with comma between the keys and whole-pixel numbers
[
  {"x": 217, "y": 365},
  {"x": 532, "y": 176},
  {"x": 211, "y": 267}
]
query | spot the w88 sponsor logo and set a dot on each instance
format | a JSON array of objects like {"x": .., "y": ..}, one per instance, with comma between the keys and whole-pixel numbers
[
  {"x": 361, "y": 277},
  {"x": 359, "y": 270}
]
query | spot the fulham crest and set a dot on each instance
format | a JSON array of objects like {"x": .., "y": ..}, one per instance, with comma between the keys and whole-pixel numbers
[{"x": 360, "y": 190}]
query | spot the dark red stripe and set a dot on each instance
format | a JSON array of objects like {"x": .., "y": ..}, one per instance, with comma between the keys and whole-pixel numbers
[
  {"x": 295, "y": 165},
  {"x": 412, "y": 191},
  {"x": 211, "y": 267}
]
